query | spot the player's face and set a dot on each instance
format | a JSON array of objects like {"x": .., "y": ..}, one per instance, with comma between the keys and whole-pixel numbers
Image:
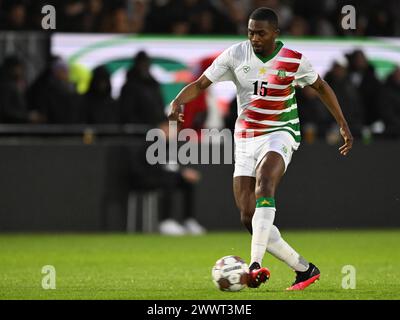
[{"x": 262, "y": 36}]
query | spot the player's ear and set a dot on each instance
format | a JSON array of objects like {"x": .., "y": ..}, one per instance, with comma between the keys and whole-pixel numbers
[{"x": 277, "y": 32}]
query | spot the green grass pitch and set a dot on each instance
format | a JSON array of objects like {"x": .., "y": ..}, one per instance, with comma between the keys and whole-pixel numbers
[{"x": 119, "y": 266}]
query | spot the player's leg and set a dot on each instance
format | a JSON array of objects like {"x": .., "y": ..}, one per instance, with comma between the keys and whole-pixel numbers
[
  {"x": 262, "y": 193},
  {"x": 268, "y": 174},
  {"x": 280, "y": 148},
  {"x": 243, "y": 190},
  {"x": 277, "y": 246},
  {"x": 281, "y": 250},
  {"x": 306, "y": 273}
]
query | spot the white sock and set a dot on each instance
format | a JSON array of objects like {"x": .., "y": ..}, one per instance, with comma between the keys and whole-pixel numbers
[
  {"x": 262, "y": 222},
  {"x": 281, "y": 250}
]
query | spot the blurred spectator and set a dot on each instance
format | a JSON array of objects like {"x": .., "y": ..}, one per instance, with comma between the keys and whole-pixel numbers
[
  {"x": 229, "y": 16},
  {"x": 315, "y": 118},
  {"x": 98, "y": 107},
  {"x": 347, "y": 94},
  {"x": 184, "y": 181},
  {"x": 80, "y": 76},
  {"x": 231, "y": 116},
  {"x": 182, "y": 18},
  {"x": 93, "y": 17},
  {"x": 141, "y": 102},
  {"x": 322, "y": 17},
  {"x": 117, "y": 21},
  {"x": 390, "y": 104},
  {"x": 170, "y": 180},
  {"x": 156, "y": 20},
  {"x": 362, "y": 76},
  {"x": 13, "y": 104},
  {"x": 180, "y": 26},
  {"x": 15, "y": 16},
  {"x": 71, "y": 17},
  {"x": 137, "y": 10},
  {"x": 39, "y": 85},
  {"x": 194, "y": 17},
  {"x": 324, "y": 27},
  {"x": 298, "y": 27},
  {"x": 195, "y": 112},
  {"x": 57, "y": 97},
  {"x": 235, "y": 12},
  {"x": 380, "y": 23},
  {"x": 306, "y": 15},
  {"x": 141, "y": 98},
  {"x": 124, "y": 16}
]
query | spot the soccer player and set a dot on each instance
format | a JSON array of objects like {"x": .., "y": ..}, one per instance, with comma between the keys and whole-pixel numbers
[{"x": 267, "y": 132}]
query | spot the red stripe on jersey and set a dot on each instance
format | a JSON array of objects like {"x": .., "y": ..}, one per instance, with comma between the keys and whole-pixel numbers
[
  {"x": 288, "y": 53},
  {"x": 251, "y": 134},
  {"x": 279, "y": 92},
  {"x": 271, "y": 105},
  {"x": 287, "y": 66},
  {"x": 252, "y": 125},
  {"x": 260, "y": 116}
]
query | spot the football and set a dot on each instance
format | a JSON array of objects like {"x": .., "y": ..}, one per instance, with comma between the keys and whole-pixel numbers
[{"x": 230, "y": 273}]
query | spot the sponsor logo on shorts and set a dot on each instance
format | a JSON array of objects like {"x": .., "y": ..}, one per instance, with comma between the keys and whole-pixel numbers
[{"x": 285, "y": 150}]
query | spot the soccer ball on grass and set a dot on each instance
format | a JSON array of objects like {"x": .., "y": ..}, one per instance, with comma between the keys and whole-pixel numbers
[{"x": 230, "y": 273}]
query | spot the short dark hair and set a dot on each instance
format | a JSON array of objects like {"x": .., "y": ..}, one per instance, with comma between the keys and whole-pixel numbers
[{"x": 265, "y": 14}]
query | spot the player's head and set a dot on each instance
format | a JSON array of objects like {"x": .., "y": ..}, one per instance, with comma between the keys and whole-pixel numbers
[{"x": 263, "y": 29}]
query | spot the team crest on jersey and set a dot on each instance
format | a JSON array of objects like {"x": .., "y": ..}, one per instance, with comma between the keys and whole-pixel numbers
[
  {"x": 281, "y": 74},
  {"x": 246, "y": 69}
]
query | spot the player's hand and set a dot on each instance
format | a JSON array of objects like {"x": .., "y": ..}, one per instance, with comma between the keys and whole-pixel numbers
[
  {"x": 348, "y": 140},
  {"x": 175, "y": 113}
]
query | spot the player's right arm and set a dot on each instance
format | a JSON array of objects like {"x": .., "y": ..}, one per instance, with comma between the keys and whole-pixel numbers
[{"x": 187, "y": 94}]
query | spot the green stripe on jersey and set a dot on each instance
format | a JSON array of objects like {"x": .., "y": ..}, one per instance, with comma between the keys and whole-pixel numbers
[
  {"x": 291, "y": 101},
  {"x": 286, "y": 116}
]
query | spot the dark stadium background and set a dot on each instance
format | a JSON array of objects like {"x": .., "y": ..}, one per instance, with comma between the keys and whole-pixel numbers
[{"x": 75, "y": 175}]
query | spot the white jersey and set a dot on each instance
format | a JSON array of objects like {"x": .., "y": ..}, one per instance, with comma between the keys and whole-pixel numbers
[{"x": 265, "y": 87}]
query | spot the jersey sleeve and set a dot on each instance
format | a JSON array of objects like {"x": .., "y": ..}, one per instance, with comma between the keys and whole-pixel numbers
[
  {"x": 220, "y": 69},
  {"x": 305, "y": 75}
]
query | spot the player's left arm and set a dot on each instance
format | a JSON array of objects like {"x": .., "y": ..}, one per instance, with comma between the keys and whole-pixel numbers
[{"x": 328, "y": 97}]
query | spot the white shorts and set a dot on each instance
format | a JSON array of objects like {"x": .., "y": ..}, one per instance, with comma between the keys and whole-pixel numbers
[{"x": 250, "y": 151}]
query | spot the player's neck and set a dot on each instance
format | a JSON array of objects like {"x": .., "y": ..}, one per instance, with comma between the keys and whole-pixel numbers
[{"x": 270, "y": 51}]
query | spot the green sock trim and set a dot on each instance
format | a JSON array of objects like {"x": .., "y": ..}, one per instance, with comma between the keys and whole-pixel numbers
[{"x": 265, "y": 202}]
